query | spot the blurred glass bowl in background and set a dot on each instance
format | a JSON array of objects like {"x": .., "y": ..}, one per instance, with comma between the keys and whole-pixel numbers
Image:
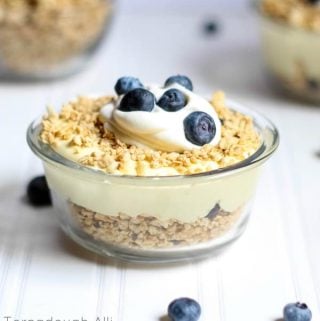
[
  {"x": 41, "y": 39},
  {"x": 291, "y": 53}
]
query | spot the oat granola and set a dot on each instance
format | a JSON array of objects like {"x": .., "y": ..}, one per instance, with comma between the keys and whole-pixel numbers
[{"x": 149, "y": 232}]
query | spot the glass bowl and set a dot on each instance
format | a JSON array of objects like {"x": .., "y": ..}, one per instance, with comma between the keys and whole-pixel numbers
[
  {"x": 291, "y": 56},
  {"x": 43, "y": 39},
  {"x": 158, "y": 218}
]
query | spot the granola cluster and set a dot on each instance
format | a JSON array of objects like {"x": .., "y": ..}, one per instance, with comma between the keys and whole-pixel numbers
[
  {"x": 78, "y": 130},
  {"x": 299, "y": 13},
  {"x": 39, "y": 34},
  {"x": 150, "y": 232}
]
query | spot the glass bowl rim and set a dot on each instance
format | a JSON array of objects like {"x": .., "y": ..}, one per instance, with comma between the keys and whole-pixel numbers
[
  {"x": 260, "y": 155},
  {"x": 256, "y": 5}
]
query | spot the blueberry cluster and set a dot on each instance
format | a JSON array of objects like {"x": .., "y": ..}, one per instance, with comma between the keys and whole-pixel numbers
[
  {"x": 199, "y": 127},
  {"x": 137, "y": 98}
]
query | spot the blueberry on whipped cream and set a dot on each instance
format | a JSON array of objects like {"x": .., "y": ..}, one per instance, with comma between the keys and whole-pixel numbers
[
  {"x": 172, "y": 100},
  {"x": 138, "y": 99},
  {"x": 199, "y": 128},
  {"x": 168, "y": 118},
  {"x": 181, "y": 80},
  {"x": 126, "y": 84}
]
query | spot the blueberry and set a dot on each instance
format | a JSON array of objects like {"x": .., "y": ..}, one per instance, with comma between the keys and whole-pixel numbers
[
  {"x": 38, "y": 193},
  {"x": 297, "y": 312},
  {"x": 33, "y": 3},
  {"x": 214, "y": 212},
  {"x": 184, "y": 309},
  {"x": 211, "y": 27},
  {"x": 138, "y": 99},
  {"x": 181, "y": 80},
  {"x": 313, "y": 1},
  {"x": 126, "y": 84},
  {"x": 172, "y": 100},
  {"x": 199, "y": 128},
  {"x": 313, "y": 84}
]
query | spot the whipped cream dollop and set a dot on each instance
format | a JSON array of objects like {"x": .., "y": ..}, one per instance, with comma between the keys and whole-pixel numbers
[{"x": 159, "y": 129}]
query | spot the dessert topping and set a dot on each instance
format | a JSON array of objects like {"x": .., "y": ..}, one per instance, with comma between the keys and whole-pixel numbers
[
  {"x": 199, "y": 128},
  {"x": 126, "y": 84},
  {"x": 172, "y": 100},
  {"x": 170, "y": 118},
  {"x": 138, "y": 99}
]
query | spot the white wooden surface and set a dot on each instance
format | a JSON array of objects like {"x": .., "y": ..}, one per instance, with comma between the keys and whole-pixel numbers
[{"x": 44, "y": 275}]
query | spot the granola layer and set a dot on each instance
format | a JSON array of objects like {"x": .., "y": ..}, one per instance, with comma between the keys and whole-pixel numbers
[
  {"x": 78, "y": 134},
  {"x": 43, "y": 34},
  {"x": 145, "y": 231},
  {"x": 299, "y": 13}
]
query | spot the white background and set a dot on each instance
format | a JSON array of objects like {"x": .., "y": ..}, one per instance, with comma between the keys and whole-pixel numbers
[{"x": 43, "y": 274}]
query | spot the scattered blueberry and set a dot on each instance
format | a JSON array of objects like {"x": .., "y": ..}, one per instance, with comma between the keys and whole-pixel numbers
[
  {"x": 184, "y": 309},
  {"x": 138, "y": 99},
  {"x": 297, "y": 312},
  {"x": 313, "y": 1},
  {"x": 313, "y": 84},
  {"x": 38, "y": 193},
  {"x": 199, "y": 128},
  {"x": 214, "y": 212},
  {"x": 33, "y": 3},
  {"x": 172, "y": 100},
  {"x": 126, "y": 84},
  {"x": 211, "y": 27},
  {"x": 181, "y": 80}
]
